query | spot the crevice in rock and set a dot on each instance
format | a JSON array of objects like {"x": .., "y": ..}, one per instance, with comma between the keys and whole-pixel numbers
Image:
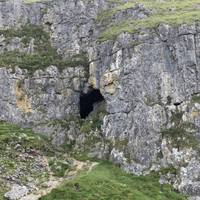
[
  {"x": 178, "y": 103},
  {"x": 88, "y": 100}
]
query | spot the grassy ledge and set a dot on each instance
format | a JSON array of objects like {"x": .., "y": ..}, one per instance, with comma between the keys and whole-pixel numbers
[
  {"x": 172, "y": 12},
  {"x": 44, "y": 54}
]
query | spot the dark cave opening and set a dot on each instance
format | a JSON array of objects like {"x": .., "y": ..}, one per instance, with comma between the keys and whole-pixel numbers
[{"x": 88, "y": 100}]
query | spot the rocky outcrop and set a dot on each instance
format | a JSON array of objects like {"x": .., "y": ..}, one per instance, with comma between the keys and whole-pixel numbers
[
  {"x": 149, "y": 80},
  {"x": 151, "y": 88},
  {"x": 47, "y": 95},
  {"x": 16, "y": 192},
  {"x": 70, "y": 23},
  {"x": 150, "y": 83}
]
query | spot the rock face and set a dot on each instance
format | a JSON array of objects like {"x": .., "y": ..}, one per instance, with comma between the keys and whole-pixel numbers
[
  {"x": 149, "y": 80},
  {"x": 16, "y": 192},
  {"x": 47, "y": 95},
  {"x": 151, "y": 90},
  {"x": 71, "y": 23}
]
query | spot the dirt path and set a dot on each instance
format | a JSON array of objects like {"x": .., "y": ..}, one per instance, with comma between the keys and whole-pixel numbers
[{"x": 55, "y": 182}]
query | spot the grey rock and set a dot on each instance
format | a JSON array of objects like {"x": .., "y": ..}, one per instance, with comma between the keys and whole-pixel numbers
[
  {"x": 47, "y": 95},
  {"x": 194, "y": 198},
  {"x": 145, "y": 79},
  {"x": 16, "y": 192}
]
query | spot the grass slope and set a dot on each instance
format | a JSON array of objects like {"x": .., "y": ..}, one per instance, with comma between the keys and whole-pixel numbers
[
  {"x": 173, "y": 12},
  {"x": 108, "y": 182},
  {"x": 20, "y": 148}
]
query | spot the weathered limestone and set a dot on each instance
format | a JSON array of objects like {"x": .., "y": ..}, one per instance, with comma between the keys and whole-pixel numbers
[
  {"x": 46, "y": 95},
  {"x": 16, "y": 192},
  {"x": 150, "y": 82}
]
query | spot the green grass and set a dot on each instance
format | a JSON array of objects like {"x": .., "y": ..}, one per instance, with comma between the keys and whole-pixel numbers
[
  {"x": 173, "y": 12},
  {"x": 16, "y": 142},
  {"x": 181, "y": 133},
  {"x": 196, "y": 99},
  {"x": 3, "y": 189},
  {"x": 44, "y": 54},
  {"x": 20, "y": 148},
  {"x": 108, "y": 182},
  {"x": 58, "y": 167},
  {"x": 12, "y": 135},
  {"x": 90, "y": 129},
  {"x": 33, "y": 62},
  {"x": 181, "y": 137}
]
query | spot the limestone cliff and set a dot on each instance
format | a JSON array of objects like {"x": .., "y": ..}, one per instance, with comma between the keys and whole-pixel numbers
[{"x": 146, "y": 67}]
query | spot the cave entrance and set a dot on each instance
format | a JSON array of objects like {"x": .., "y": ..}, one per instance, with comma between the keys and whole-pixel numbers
[{"x": 88, "y": 100}]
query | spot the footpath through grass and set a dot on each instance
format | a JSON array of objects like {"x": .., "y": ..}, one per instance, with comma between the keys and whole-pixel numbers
[{"x": 108, "y": 182}]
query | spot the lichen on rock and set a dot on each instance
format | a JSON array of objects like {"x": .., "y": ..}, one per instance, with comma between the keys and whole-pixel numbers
[{"x": 22, "y": 99}]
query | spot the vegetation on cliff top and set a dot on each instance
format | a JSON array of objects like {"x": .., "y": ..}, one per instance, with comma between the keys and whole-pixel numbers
[{"x": 172, "y": 12}]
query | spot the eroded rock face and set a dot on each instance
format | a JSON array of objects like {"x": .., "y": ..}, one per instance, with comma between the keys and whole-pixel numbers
[
  {"x": 144, "y": 86},
  {"x": 139, "y": 82},
  {"x": 43, "y": 96},
  {"x": 149, "y": 80},
  {"x": 71, "y": 23}
]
